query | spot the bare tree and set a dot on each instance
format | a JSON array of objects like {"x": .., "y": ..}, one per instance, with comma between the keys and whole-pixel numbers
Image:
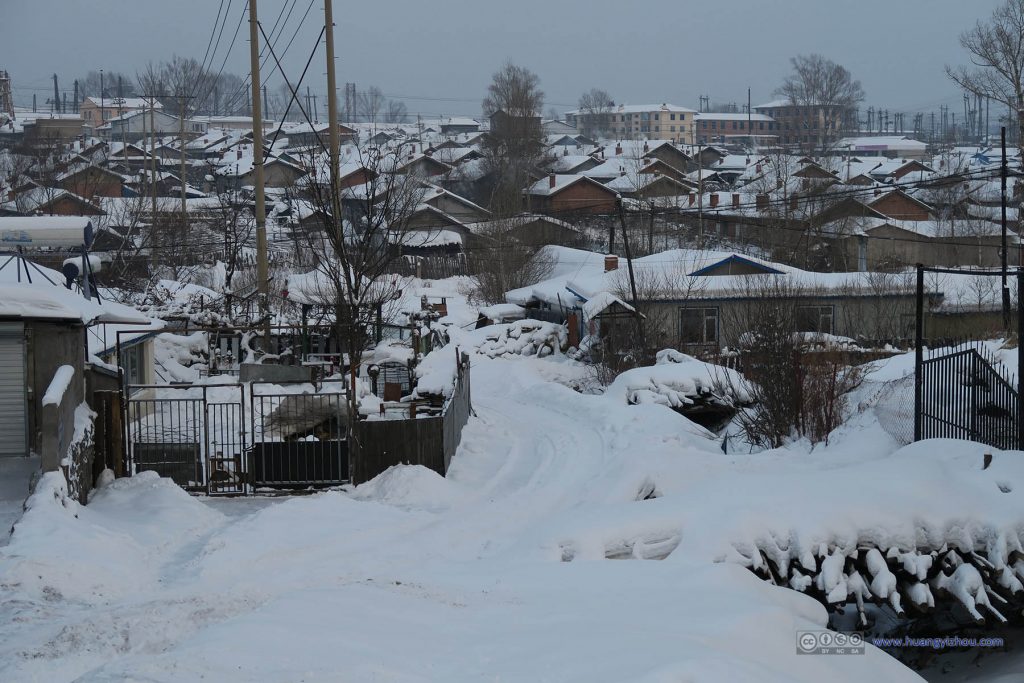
[
  {"x": 89, "y": 85},
  {"x": 826, "y": 90},
  {"x": 595, "y": 112},
  {"x": 797, "y": 391},
  {"x": 515, "y": 145},
  {"x": 396, "y": 112},
  {"x": 354, "y": 270},
  {"x": 369, "y": 104},
  {"x": 499, "y": 262},
  {"x": 996, "y": 49}
]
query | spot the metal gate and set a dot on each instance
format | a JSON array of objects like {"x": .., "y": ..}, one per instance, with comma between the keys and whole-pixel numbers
[
  {"x": 220, "y": 439},
  {"x": 964, "y": 396},
  {"x": 298, "y": 438},
  {"x": 963, "y": 392}
]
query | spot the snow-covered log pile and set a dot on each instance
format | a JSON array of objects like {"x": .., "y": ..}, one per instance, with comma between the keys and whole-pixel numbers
[
  {"x": 680, "y": 381},
  {"x": 523, "y": 338},
  {"x": 975, "y": 583}
]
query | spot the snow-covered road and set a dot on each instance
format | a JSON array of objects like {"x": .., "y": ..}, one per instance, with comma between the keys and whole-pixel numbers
[{"x": 415, "y": 577}]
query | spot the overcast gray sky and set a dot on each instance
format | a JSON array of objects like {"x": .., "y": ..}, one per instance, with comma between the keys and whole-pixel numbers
[{"x": 446, "y": 50}]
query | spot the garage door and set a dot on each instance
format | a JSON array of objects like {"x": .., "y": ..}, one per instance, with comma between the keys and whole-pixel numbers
[{"x": 12, "y": 390}]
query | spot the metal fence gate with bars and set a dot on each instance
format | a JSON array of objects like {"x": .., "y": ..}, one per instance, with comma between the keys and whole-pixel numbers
[
  {"x": 962, "y": 391},
  {"x": 222, "y": 439}
]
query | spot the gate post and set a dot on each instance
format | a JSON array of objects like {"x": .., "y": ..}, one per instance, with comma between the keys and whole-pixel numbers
[
  {"x": 1020, "y": 358},
  {"x": 918, "y": 352}
]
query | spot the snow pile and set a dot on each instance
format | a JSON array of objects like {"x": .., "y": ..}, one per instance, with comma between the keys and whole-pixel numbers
[
  {"x": 678, "y": 380},
  {"x": 181, "y": 357},
  {"x": 63, "y": 550},
  {"x": 523, "y": 338},
  {"x": 411, "y": 486}
]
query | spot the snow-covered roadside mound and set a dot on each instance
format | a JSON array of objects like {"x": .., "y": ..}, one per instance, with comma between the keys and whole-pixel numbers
[
  {"x": 110, "y": 548},
  {"x": 409, "y": 486},
  {"x": 677, "y": 380}
]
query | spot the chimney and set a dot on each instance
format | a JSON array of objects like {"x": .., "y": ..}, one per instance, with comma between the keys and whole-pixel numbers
[
  {"x": 565, "y": 152},
  {"x": 618, "y": 149},
  {"x": 238, "y": 153},
  {"x": 611, "y": 262},
  {"x": 693, "y": 198},
  {"x": 757, "y": 168},
  {"x": 942, "y": 163},
  {"x": 646, "y": 148},
  {"x": 762, "y": 201},
  {"x": 714, "y": 200},
  {"x": 551, "y": 181},
  {"x": 735, "y": 200},
  {"x": 622, "y": 170}
]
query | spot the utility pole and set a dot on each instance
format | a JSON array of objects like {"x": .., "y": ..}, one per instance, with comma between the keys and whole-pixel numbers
[
  {"x": 700, "y": 195},
  {"x": 181, "y": 156},
  {"x": 1003, "y": 172},
  {"x": 266, "y": 103},
  {"x": 750, "y": 122},
  {"x": 152, "y": 155},
  {"x": 332, "y": 110},
  {"x": 120, "y": 111},
  {"x": 257, "y": 149},
  {"x": 632, "y": 278}
]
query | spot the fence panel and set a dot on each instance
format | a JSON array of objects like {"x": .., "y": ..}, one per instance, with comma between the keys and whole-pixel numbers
[{"x": 298, "y": 438}]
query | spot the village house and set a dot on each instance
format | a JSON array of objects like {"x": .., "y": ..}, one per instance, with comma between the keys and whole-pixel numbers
[{"x": 565, "y": 195}]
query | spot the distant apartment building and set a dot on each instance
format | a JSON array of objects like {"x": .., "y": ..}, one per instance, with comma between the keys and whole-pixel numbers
[
  {"x": 96, "y": 111},
  {"x": 724, "y": 127},
  {"x": 642, "y": 121},
  {"x": 807, "y": 127}
]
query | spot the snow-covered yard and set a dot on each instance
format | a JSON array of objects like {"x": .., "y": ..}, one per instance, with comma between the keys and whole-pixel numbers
[{"x": 501, "y": 571}]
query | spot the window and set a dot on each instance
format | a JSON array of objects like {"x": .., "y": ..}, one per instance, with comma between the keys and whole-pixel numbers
[
  {"x": 672, "y": 129},
  {"x": 703, "y": 124},
  {"x": 132, "y": 363},
  {"x": 682, "y": 117},
  {"x": 657, "y": 129},
  {"x": 656, "y": 117},
  {"x": 814, "y": 319},
  {"x": 714, "y": 125},
  {"x": 734, "y": 125},
  {"x": 698, "y": 325},
  {"x": 672, "y": 116}
]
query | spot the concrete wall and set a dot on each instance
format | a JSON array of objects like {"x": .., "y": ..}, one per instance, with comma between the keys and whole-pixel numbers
[{"x": 49, "y": 346}]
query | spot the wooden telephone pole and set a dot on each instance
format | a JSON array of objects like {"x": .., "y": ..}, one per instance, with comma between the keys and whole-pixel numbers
[{"x": 257, "y": 154}]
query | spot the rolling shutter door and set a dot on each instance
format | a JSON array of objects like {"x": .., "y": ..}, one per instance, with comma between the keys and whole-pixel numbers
[{"x": 12, "y": 390}]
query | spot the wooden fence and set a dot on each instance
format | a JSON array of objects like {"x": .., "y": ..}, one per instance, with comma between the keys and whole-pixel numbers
[{"x": 427, "y": 441}]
